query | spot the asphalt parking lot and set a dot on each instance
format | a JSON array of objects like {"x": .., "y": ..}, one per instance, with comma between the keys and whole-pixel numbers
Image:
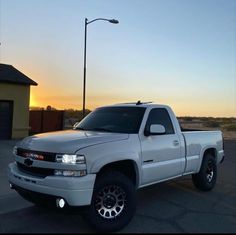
[{"x": 174, "y": 206}]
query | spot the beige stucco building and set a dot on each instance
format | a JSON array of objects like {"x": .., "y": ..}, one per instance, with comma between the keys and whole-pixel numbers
[{"x": 14, "y": 102}]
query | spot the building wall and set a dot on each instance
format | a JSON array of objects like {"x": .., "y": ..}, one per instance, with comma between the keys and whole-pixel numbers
[{"x": 20, "y": 95}]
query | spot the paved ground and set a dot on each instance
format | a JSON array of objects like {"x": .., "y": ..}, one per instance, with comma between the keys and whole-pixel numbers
[{"x": 174, "y": 206}]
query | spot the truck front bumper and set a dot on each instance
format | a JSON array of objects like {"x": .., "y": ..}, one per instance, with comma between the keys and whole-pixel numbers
[{"x": 76, "y": 191}]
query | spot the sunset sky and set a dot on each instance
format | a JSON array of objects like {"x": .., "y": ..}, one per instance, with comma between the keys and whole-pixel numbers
[{"x": 176, "y": 52}]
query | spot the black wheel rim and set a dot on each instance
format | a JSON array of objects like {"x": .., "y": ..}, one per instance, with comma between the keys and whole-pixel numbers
[
  {"x": 110, "y": 201},
  {"x": 210, "y": 171}
]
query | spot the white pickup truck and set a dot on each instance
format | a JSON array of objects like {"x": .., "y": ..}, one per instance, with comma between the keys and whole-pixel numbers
[{"x": 110, "y": 154}]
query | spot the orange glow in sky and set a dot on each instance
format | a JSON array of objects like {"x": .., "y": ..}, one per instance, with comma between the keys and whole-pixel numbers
[{"x": 66, "y": 95}]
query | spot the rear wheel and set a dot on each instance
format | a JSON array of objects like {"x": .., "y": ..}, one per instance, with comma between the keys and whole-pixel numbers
[
  {"x": 205, "y": 179},
  {"x": 113, "y": 202}
]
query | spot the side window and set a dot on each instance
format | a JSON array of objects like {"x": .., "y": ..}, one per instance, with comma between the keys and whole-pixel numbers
[{"x": 160, "y": 116}]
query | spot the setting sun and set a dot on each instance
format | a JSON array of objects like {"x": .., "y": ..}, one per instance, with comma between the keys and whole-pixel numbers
[{"x": 32, "y": 100}]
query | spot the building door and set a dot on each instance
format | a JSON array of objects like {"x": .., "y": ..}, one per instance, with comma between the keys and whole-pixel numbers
[{"x": 6, "y": 114}]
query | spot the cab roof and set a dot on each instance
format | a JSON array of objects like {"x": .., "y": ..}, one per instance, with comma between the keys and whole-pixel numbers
[{"x": 137, "y": 104}]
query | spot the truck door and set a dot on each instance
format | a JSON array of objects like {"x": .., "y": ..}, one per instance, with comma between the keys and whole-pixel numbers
[{"x": 161, "y": 154}]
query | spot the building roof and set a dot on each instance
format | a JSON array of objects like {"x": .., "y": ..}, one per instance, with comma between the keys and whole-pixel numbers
[{"x": 9, "y": 74}]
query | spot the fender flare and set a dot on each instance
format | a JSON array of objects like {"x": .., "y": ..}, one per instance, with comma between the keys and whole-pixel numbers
[{"x": 202, "y": 153}]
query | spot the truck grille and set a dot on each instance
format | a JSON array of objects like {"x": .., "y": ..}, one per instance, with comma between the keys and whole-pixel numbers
[
  {"x": 44, "y": 156},
  {"x": 35, "y": 171}
]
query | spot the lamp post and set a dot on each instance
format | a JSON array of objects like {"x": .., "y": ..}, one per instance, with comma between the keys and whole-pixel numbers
[{"x": 113, "y": 21}]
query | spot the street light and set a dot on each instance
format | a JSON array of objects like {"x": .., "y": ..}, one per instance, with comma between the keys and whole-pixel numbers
[{"x": 113, "y": 21}]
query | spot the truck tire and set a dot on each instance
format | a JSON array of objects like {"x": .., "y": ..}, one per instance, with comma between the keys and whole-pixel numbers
[
  {"x": 113, "y": 202},
  {"x": 205, "y": 179}
]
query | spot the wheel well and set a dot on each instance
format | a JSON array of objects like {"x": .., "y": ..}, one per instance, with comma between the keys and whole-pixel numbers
[
  {"x": 127, "y": 167},
  {"x": 211, "y": 151}
]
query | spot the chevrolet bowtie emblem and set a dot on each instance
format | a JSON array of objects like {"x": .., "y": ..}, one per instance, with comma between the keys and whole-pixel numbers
[{"x": 28, "y": 162}]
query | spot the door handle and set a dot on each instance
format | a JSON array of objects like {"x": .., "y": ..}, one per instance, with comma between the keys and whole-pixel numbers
[{"x": 175, "y": 142}]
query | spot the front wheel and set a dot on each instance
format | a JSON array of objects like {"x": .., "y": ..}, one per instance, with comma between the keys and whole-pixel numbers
[
  {"x": 205, "y": 179},
  {"x": 113, "y": 203}
]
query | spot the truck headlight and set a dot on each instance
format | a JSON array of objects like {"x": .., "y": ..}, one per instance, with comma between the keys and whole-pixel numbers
[{"x": 71, "y": 159}]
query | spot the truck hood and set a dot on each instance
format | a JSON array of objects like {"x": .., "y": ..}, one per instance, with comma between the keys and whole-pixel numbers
[{"x": 68, "y": 141}]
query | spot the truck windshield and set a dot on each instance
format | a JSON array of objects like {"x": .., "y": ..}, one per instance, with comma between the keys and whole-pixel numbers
[{"x": 113, "y": 119}]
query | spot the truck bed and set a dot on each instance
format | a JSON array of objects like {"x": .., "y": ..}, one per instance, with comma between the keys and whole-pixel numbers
[
  {"x": 196, "y": 142},
  {"x": 186, "y": 129}
]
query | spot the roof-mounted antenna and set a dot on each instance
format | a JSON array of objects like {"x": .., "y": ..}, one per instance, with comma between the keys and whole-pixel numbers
[{"x": 139, "y": 102}]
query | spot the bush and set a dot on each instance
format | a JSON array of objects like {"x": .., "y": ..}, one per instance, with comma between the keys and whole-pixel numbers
[
  {"x": 230, "y": 127},
  {"x": 212, "y": 124},
  {"x": 188, "y": 119}
]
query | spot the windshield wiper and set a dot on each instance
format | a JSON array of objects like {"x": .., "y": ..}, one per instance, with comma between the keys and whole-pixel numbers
[
  {"x": 100, "y": 129},
  {"x": 94, "y": 129},
  {"x": 80, "y": 128}
]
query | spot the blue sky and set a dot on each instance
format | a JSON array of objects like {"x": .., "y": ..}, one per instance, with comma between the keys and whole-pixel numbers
[{"x": 177, "y": 52}]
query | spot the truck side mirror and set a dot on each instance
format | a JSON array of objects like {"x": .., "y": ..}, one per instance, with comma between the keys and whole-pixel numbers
[{"x": 155, "y": 129}]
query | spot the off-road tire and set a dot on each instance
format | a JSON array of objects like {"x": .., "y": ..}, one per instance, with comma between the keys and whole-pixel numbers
[
  {"x": 205, "y": 179},
  {"x": 109, "y": 187}
]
